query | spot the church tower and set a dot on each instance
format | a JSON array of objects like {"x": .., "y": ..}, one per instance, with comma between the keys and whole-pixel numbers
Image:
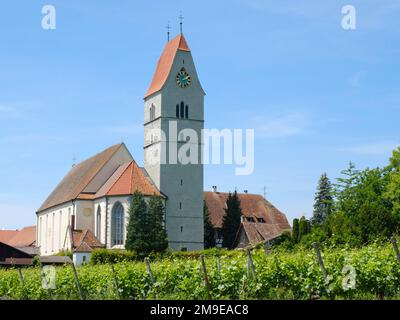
[{"x": 173, "y": 120}]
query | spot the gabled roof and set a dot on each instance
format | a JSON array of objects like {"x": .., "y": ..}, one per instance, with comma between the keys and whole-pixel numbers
[
  {"x": 7, "y": 235},
  {"x": 165, "y": 63},
  {"x": 252, "y": 205},
  {"x": 25, "y": 237},
  {"x": 8, "y": 254},
  {"x": 78, "y": 178},
  {"x": 127, "y": 179},
  {"x": 85, "y": 241},
  {"x": 131, "y": 180},
  {"x": 259, "y": 232}
]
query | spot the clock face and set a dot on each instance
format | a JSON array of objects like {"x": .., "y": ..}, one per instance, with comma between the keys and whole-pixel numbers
[{"x": 183, "y": 79}]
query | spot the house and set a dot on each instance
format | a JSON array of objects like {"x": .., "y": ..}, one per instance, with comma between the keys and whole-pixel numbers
[
  {"x": 10, "y": 256},
  {"x": 84, "y": 242},
  {"x": 24, "y": 239},
  {"x": 261, "y": 221}
]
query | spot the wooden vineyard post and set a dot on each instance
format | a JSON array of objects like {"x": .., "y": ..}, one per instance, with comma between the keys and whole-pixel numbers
[
  {"x": 250, "y": 264},
  {"x": 203, "y": 266},
  {"x": 320, "y": 261},
  {"x": 116, "y": 282},
  {"x": 396, "y": 248},
  {"x": 78, "y": 285},
  {"x": 147, "y": 261},
  {"x": 21, "y": 278}
]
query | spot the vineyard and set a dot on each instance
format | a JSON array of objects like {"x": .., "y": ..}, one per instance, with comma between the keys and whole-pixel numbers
[{"x": 371, "y": 272}]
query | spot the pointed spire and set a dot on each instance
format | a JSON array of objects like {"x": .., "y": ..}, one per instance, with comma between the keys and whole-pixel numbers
[
  {"x": 180, "y": 21},
  {"x": 165, "y": 63},
  {"x": 168, "y": 27}
]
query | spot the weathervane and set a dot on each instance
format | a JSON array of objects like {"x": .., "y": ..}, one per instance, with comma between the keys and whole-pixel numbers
[
  {"x": 168, "y": 28},
  {"x": 181, "y": 20}
]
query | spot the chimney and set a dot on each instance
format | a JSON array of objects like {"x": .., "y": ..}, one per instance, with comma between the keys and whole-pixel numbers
[
  {"x": 246, "y": 191},
  {"x": 214, "y": 188}
]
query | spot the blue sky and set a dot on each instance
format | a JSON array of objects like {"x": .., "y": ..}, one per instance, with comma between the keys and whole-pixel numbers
[{"x": 317, "y": 96}]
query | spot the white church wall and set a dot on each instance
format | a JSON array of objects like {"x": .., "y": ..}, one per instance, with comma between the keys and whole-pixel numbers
[
  {"x": 51, "y": 228},
  {"x": 100, "y": 232},
  {"x": 84, "y": 218}
]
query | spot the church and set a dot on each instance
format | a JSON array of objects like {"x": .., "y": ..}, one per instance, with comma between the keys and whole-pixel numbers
[{"x": 89, "y": 207}]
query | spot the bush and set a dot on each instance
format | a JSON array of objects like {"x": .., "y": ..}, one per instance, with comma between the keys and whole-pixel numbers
[
  {"x": 103, "y": 256},
  {"x": 211, "y": 252}
]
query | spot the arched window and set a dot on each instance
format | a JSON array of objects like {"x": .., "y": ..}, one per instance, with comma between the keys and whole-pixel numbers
[
  {"x": 117, "y": 224},
  {"x": 182, "y": 109},
  {"x": 177, "y": 110},
  {"x": 187, "y": 111},
  {"x": 98, "y": 223}
]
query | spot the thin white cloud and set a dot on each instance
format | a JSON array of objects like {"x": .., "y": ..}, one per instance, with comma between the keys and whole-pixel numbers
[
  {"x": 9, "y": 112},
  {"x": 374, "y": 148},
  {"x": 288, "y": 124},
  {"x": 355, "y": 79}
]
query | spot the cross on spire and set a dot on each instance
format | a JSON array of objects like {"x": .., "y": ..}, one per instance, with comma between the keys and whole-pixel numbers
[
  {"x": 180, "y": 20},
  {"x": 168, "y": 28}
]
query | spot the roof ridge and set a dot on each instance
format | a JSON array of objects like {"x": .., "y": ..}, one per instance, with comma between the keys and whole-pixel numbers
[
  {"x": 102, "y": 166},
  {"x": 131, "y": 176}
]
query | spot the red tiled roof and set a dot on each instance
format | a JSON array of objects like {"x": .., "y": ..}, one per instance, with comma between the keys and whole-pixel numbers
[
  {"x": 24, "y": 238},
  {"x": 7, "y": 235},
  {"x": 83, "y": 239},
  {"x": 19, "y": 238},
  {"x": 131, "y": 180},
  {"x": 165, "y": 63},
  {"x": 252, "y": 205},
  {"x": 78, "y": 178}
]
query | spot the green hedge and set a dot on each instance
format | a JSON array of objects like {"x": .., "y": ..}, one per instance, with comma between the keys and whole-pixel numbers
[{"x": 102, "y": 256}]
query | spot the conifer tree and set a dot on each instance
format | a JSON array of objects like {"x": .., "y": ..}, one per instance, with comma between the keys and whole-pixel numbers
[
  {"x": 304, "y": 227},
  {"x": 158, "y": 233},
  {"x": 209, "y": 237},
  {"x": 323, "y": 201},
  {"x": 295, "y": 230},
  {"x": 231, "y": 221},
  {"x": 138, "y": 229}
]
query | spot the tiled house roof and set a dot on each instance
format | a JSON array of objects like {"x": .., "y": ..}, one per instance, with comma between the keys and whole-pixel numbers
[
  {"x": 252, "y": 205},
  {"x": 85, "y": 241},
  {"x": 25, "y": 237},
  {"x": 262, "y": 221}
]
